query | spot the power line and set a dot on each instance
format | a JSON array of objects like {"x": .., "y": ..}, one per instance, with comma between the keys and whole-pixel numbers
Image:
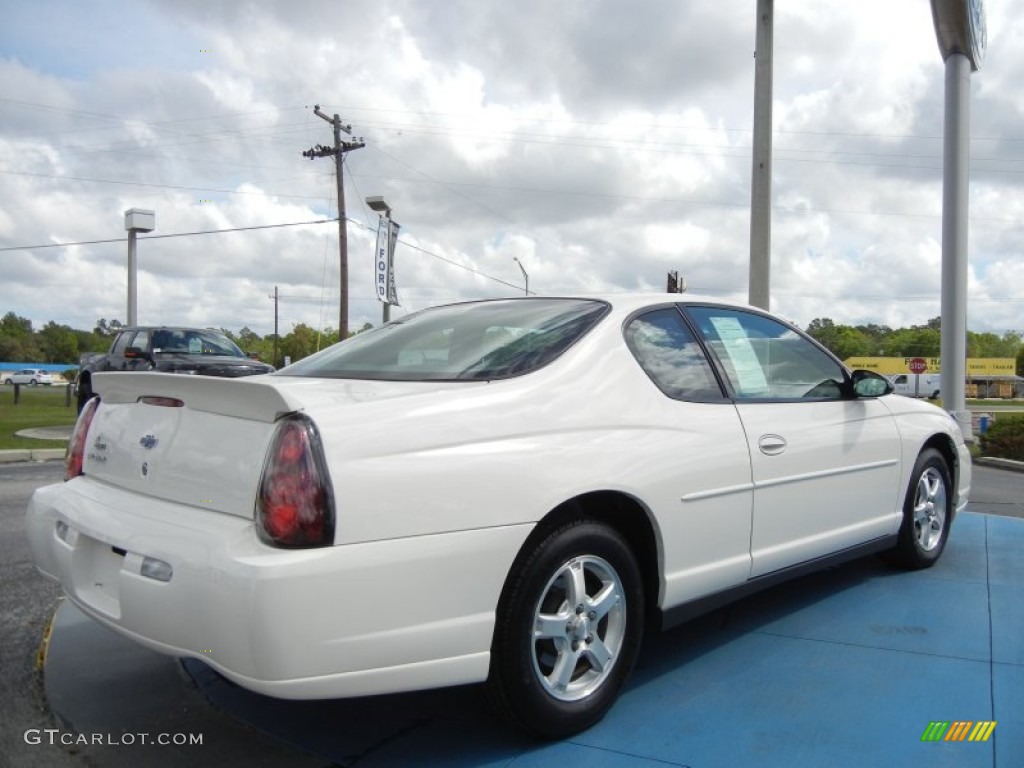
[
  {"x": 157, "y": 186},
  {"x": 460, "y": 266},
  {"x": 261, "y": 226},
  {"x": 639, "y": 125},
  {"x": 173, "y": 234}
]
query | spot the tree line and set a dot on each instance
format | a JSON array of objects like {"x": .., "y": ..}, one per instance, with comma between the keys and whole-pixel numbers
[
  {"x": 846, "y": 341},
  {"x": 55, "y": 343}
]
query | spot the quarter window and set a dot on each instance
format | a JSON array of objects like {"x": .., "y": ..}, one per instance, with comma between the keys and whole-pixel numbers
[
  {"x": 765, "y": 359},
  {"x": 121, "y": 344},
  {"x": 141, "y": 340},
  {"x": 667, "y": 350}
]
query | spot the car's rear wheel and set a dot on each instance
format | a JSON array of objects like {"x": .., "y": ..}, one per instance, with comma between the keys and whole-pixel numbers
[
  {"x": 567, "y": 631},
  {"x": 927, "y": 512},
  {"x": 32, "y": 382}
]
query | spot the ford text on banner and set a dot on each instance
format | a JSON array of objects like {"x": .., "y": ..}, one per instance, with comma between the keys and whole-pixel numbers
[{"x": 382, "y": 276}]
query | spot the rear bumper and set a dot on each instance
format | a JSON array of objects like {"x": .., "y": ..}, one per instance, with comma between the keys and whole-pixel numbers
[{"x": 339, "y": 621}]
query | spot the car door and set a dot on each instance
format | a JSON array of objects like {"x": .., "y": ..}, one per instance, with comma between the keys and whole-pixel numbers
[
  {"x": 825, "y": 464},
  {"x": 703, "y": 498}
]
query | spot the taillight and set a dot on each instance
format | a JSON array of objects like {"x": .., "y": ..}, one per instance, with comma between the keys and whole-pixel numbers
[
  {"x": 75, "y": 456},
  {"x": 295, "y": 505}
]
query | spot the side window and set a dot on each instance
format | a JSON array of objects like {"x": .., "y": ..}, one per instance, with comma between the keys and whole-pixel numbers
[
  {"x": 141, "y": 340},
  {"x": 765, "y": 359},
  {"x": 666, "y": 349},
  {"x": 121, "y": 344}
]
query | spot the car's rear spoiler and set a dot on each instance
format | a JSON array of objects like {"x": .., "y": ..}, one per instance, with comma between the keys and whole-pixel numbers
[{"x": 245, "y": 398}]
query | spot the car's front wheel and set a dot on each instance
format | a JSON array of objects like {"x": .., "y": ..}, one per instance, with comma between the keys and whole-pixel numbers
[
  {"x": 567, "y": 631},
  {"x": 927, "y": 512}
]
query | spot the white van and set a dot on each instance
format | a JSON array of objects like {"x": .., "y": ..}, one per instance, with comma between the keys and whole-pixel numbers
[{"x": 917, "y": 385}]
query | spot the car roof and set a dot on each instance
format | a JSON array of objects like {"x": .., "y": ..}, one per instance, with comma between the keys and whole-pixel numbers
[{"x": 624, "y": 303}]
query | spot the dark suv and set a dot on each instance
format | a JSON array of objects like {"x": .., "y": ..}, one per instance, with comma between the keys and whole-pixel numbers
[{"x": 197, "y": 351}]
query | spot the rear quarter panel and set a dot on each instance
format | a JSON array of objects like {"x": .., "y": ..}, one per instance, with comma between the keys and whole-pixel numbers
[{"x": 508, "y": 453}]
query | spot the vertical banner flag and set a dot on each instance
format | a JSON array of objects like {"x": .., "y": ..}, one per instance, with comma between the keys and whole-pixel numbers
[
  {"x": 384, "y": 261},
  {"x": 392, "y": 240},
  {"x": 380, "y": 258}
]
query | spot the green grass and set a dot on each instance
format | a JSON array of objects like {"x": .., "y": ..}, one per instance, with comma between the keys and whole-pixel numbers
[{"x": 37, "y": 407}]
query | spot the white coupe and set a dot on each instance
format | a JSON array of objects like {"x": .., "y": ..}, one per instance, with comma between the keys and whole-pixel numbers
[{"x": 506, "y": 491}]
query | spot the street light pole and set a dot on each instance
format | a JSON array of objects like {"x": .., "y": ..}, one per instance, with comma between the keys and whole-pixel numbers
[
  {"x": 962, "y": 34},
  {"x": 135, "y": 220},
  {"x": 759, "y": 289},
  {"x": 526, "y": 277}
]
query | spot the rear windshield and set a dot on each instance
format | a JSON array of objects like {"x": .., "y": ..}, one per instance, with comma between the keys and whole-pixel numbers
[{"x": 473, "y": 341}]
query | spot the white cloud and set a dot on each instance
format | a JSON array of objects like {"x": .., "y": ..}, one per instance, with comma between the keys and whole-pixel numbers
[{"x": 600, "y": 143}]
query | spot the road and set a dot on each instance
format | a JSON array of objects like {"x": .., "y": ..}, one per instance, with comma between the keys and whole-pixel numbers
[
  {"x": 997, "y": 492},
  {"x": 27, "y": 601}
]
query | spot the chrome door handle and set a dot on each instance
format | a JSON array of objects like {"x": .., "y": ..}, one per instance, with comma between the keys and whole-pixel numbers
[{"x": 771, "y": 445}]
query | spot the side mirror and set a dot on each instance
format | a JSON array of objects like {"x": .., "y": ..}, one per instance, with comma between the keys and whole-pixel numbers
[
  {"x": 870, "y": 384},
  {"x": 135, "y": 353}
]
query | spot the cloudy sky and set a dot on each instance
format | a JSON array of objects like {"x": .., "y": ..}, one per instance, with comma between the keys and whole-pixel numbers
[{"x": 601, "y": 143}]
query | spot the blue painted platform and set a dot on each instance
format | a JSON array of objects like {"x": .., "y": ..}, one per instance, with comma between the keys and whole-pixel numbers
[{"x": 842, "y": 668}]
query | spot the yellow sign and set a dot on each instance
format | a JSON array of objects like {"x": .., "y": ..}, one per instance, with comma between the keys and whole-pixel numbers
[
  {"x": 976, "y": 366},
  {"x": 993, "y": 366}
]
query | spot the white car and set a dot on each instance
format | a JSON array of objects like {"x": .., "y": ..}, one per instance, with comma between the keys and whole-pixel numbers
[
  {"x": 30, "y": 376},
  {"x": 506, "y": 491}
]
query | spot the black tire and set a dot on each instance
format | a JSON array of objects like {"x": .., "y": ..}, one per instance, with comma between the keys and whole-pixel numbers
[
  {"x": 84, "y": 394},
  {"x": 927, "y": 513},
  {"x": 566, "y": 681},
  {"x": 32, "y": 382}
]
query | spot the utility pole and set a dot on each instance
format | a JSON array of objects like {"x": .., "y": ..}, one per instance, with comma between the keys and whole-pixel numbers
[{"x": 338, "y": 152}]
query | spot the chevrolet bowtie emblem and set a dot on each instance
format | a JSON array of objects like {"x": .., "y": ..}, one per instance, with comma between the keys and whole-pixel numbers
[{"x": 148, "y": 441}]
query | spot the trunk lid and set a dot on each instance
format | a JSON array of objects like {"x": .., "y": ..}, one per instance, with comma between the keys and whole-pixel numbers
[{"x": 209, "y": 451}]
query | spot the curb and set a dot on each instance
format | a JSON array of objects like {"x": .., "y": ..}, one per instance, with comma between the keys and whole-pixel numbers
[
  {"x": 991, "y": 461},
  {"x": 31, "y": 454}
]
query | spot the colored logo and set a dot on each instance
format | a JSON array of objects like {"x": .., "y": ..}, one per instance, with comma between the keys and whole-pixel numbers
[{"x": 958, "y": 730}]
